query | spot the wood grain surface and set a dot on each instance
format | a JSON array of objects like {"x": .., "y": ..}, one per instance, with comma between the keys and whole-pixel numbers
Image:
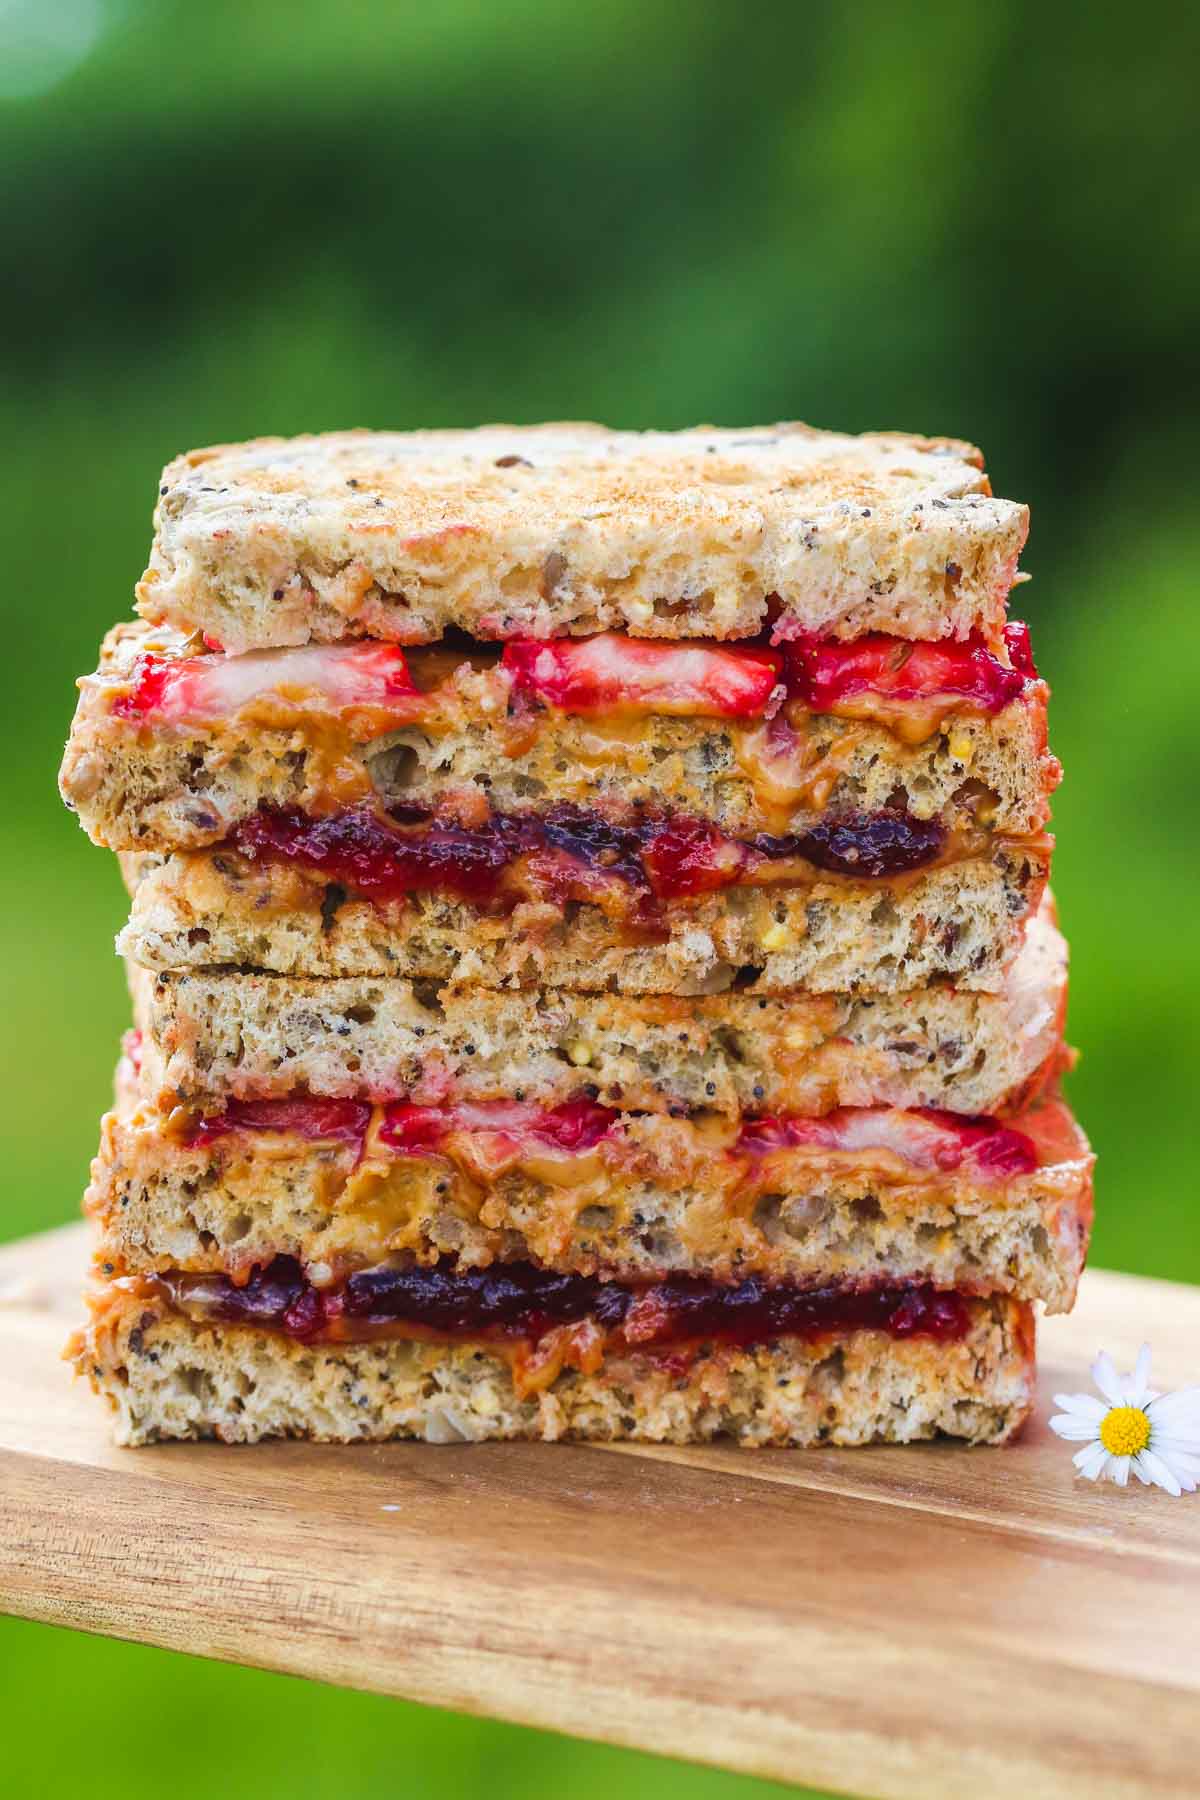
[{"x": 922, "y": 1622}]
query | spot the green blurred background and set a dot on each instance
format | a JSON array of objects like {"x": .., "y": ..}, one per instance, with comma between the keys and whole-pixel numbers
[{"x": 223, "y": 219}]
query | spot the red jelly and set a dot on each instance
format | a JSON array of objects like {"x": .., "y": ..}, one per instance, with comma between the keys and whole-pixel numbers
[
  {"x": 363, "y": 852},
  {"x": 521, "y": 1301},
  {"x": 870, "y": 845},
  {"x": 570, "y": 853}
]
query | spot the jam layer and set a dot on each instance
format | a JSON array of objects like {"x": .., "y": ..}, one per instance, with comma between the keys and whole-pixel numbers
[
  {"x": 572, "y": 853},
  {"x": 523, "y": 1303}
]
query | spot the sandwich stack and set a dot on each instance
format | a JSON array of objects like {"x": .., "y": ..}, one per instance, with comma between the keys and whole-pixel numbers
[{"x": 592, "y": 967}]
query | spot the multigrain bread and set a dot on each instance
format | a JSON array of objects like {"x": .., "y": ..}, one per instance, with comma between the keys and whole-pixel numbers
[
  {"x": 653, "y": 1196},
  {"x": 208, "y": 1033},
  {"x": 571, "y": 528},
  {"x": 166, "y": 1377},
  {"x": 149, "y": 785},
  {"x": 963, "y": 922}
]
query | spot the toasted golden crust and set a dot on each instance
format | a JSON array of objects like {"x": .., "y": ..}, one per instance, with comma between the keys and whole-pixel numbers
[
  {"x": 653, "y": 1197},
  {"x": 963, "y": 923},
  {"x": 568, "y": 528},
  {"x": 166, "y": 1377},
  {"x": 208, "y": 1033},
  {"x": 153, "y": 786}
]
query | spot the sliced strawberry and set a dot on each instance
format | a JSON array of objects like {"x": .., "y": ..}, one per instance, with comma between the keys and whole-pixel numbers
[
  {"x": 145, "y": 696},
  {"x": 611, "y": 672},
  {"x": 318, "y": 1121},
  {"x": 928, "y": 1139},
  {"x": 1020, "y": 650},
  {"x": 577, "y": 1125},
  {"x": 822, "y": 673},
  {"x": 198, "y": 690}
]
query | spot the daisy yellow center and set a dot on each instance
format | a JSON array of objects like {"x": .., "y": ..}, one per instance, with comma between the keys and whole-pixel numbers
[{"x": 1124, "y": 1431}]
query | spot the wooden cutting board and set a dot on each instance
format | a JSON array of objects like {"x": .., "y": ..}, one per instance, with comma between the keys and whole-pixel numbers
[{"x": 922, "y": 1622}]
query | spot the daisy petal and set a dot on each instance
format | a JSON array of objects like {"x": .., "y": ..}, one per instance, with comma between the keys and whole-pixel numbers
[
  {"x": 1185, "y": 1468},
  {"x": 1158, "y": 1472},
  {"x": 1137, "y": 1385},
  {"x": 1120, "y": 1473},
  {"x": 1178, "y": 1412},
  {"x": 1084, "y": 1406},
  {"x": 1184, "y": 1450},
  {"x": 1107, "y": 1379},
  {"x": 1080, "y": 1431},
  {"x": 1090, "y": 1460},
  {"x": 1140, "y": 1472}
]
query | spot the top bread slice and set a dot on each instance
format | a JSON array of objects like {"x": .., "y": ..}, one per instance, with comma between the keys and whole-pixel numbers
[{"x": 555, "y": 530}]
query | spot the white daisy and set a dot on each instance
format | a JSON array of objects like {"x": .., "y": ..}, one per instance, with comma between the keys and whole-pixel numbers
[{"x": 1133, "y": 1427}]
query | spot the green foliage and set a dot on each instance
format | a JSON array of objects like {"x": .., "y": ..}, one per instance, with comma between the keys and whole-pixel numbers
[{"x": 232, "y": 219}]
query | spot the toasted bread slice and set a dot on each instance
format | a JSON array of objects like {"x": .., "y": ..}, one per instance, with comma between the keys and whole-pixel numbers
[
  {"x": 206, "y": 1034},
  {"x": 565, "y": 529},
  {"x": 962, "y": 923},
  {"x": 165, "y": 1376}
]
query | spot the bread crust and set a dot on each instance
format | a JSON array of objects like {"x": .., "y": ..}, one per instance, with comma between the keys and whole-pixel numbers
[
  {"x": 964, "y": 923},
  {"x": 564, "y": 529},
  {"x": 165, "y": 1377}
]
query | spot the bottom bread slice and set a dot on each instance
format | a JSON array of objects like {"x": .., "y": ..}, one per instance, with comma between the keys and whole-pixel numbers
[{"x": 167, "y": 1376}]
